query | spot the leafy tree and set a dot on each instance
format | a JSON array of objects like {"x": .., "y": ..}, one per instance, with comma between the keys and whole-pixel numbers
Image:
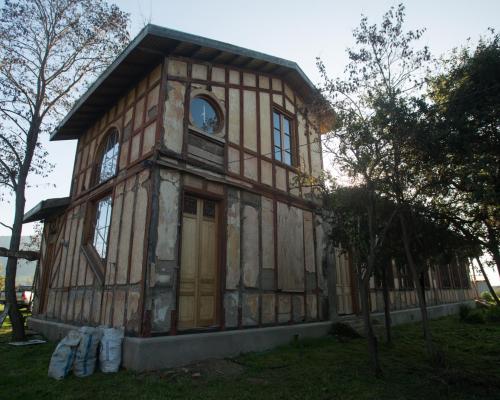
[
  {"x": 493, "y": 294},
  {"x": 377, "y": 122},
  {"x": 463, "y": 155},
  {"x": 349, "y": 211},
  {"x": 49, "y": 52}
]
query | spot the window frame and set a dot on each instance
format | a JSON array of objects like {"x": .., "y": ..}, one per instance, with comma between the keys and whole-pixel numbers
[
  {"x": 93, "y": 224},
  {"x": 283, "y": 115},
  {"x": 97, "y": 264},
  {"x": 445, "y": 281},
  {"x": 218, "y": 108},
  {"x": 101, "y": 152}
]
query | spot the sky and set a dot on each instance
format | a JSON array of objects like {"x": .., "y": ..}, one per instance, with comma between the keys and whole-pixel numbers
[{"x": 296, "y": 30}]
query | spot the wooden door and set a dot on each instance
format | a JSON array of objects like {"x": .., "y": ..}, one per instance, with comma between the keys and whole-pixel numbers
[
  {"x": 344, "y": 285},
  {"x": 199, "y": 272}
]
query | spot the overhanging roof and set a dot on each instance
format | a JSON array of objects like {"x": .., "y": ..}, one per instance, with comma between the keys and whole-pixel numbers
[
  {"x": 146, "y": 50},
  {"x": 46, "y": 208}
]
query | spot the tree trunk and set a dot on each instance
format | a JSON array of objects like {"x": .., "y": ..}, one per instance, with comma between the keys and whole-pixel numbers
[
  {"x": 370, "y": 336},
  {"x": 431, "y": 350},
  {"x": 15, "y": 315},
  {"x": 387, "y": 307},
  {"x": 493, "y": 246},
  {"x": 496, "y": 257},
  {"x": 487, "y": 280},
  {"x": 331, "y": 265}
]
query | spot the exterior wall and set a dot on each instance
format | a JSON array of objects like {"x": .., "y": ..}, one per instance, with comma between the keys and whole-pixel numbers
[
  {"x": 243, "y": 152},
  {"x": 266, "y": 211},
  {"x": 71, "y": 289},
  {"x": 437, "y": 292},
  {"x": 136, "y": 117},
  {"x": 139, "y": 287},
  {"x": 260, "y": 284},
  {"x": 446, "y": 283}
]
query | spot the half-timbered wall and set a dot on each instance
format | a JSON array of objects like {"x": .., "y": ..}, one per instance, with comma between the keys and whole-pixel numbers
[
  {"x": 402, "y": 293},
  {"x": 271, "y": 262},
  {"x": 272, "y": 247},
  {"x": 73, "y": 291},
  {"x": 135, "y": 116},
  {"x": 245, "y": 149}
]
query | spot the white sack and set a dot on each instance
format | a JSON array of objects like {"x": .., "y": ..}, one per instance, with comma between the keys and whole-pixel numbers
[
  {"x": 86, "y": 352},
  {"x": 61, "y": 361},
  {"x": 110, "y": 356}
]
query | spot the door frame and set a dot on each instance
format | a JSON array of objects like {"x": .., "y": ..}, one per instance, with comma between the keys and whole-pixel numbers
[{"x": 221, "y": 257}]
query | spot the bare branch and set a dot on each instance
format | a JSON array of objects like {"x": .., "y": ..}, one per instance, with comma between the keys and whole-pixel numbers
[{"x": 5, "y": 225}]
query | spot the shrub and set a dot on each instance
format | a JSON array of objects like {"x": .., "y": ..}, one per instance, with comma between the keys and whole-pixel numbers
[
  {"x": 344, "y": 331},
  {"x": 475, "y": 317},
  {"x": 487, "y": 296},
  {"x": 464, "y": 312},
  {"x": 493, "y": 314}
]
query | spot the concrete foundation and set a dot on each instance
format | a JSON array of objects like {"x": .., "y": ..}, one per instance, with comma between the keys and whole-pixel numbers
[
  {"x": 413, "y": 314},
  {"x": 146, "y": 354},
  {"x": 53, "y": 331},
  {"x": 141, "y": 354}
]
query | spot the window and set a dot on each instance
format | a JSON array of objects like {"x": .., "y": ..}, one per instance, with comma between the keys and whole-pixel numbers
[
  {"x": 405, "y": 277},
  {"x": 282, "y": 130},
  {"x": 389, "y": 276},
  {"x": 444, "y": 276},
  {"x": 109, "y": 158},
  {"x": 204, "y": 115},
  {"x": 101, "y": 223},
  {"x": 464, "y": 275},
  {"x": 190, "y": 205}
]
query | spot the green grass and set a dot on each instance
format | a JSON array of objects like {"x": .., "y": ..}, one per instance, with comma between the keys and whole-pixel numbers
[{"x": 311, "y": 369}]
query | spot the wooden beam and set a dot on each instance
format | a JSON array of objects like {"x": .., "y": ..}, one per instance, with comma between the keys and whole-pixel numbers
[{"x": 25, "y": 254}]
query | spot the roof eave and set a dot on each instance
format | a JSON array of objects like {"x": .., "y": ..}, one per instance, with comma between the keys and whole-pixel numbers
[
  {"x": 107, "y": 72},
  {"x": 64, "y": 132},
  {"x": 46, "y": 208}
]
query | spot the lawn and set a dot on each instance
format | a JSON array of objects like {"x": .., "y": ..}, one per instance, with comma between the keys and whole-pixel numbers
[{"x": 327, "y": 368}]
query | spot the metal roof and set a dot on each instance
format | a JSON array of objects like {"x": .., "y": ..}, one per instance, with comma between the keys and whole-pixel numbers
[
  {"x": 46, "y": 208},
  {"x": 147, "y": 50}
]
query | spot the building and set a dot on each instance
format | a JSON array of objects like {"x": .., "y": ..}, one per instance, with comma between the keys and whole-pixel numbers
[{"x": 186, "y": 214}]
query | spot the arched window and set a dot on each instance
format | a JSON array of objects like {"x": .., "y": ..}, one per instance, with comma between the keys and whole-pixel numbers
[
  {"x": 106, "y": 168},
  {"x": 205, "y": 115}
]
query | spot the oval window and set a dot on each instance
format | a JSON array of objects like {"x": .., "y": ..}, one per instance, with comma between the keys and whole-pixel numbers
[{"x": 204, "y": 115}]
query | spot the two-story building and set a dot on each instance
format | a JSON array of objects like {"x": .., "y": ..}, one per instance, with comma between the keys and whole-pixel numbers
[{"x": 186, "y": 223}]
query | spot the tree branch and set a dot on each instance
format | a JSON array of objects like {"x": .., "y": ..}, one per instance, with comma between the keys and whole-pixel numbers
[{"x": 5, "y": 225}]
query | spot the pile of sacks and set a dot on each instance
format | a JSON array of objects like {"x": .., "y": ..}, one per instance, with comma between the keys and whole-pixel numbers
[{"x": 77, "y": 352}]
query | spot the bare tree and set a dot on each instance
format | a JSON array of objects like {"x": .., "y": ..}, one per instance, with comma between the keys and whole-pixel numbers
[{"x": 49, "y": 52}]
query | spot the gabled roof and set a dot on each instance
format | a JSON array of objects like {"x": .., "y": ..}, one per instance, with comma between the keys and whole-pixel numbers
[
  {"x": 46, "y": 208},
  {"x": 147, "y": 50}
]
